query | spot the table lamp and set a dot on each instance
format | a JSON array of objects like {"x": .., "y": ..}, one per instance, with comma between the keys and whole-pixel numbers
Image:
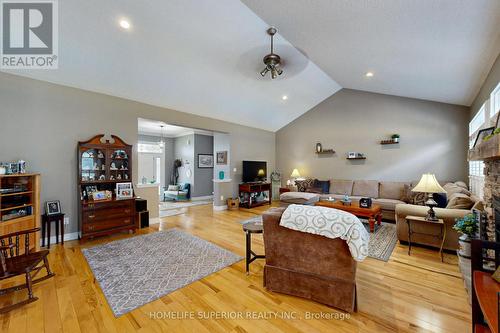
[
  {"x": 428, "y": 184},
  {"x": 295, "y": 174}
]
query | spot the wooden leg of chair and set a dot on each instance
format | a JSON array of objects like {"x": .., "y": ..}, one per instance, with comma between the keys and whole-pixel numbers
[
  {"x": 46, "y": 264},
  {"x": 29, "y": 285}
]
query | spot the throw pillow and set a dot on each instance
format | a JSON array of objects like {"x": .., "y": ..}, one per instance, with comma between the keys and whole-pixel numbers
[
  {"x": 414, "y": 198},
  {"x": 462, "y": 184},
  {"x": 323, "y": 185},
  {"x": 460, "y": 201},
  {"x": 304, "y": 185},
  {"x": 451, "y": 188},
  {"x": 173, "y": 188},
  {"x": 440, "y": 199}
]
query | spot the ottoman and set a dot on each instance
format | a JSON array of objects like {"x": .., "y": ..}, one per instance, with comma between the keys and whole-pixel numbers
[{"x": 298, "y": 198}]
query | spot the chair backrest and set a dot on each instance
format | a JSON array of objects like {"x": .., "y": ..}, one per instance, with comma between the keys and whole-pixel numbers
[{"x": 13, "y": 245}]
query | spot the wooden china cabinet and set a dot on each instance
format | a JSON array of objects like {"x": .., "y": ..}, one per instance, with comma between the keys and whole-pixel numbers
[{"x": 101, "y": 165}]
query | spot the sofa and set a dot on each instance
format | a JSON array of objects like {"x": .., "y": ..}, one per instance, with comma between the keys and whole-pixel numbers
[
  {"x": 384, "y": 193},
  {"x": 306, "y": 265},
  {"x": 397, "y": 201},
  {"x": 180, "y": 192}
]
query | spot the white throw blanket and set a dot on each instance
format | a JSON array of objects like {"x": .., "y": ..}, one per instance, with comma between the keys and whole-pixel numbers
[{"x": 331, "y": 223}]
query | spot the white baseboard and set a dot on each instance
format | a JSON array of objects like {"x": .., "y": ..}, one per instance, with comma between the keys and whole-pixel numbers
[
  {"x": 219, "y": 208},
  {"x": 67, "y": 237},
  {"x": 206, "y": 197}
]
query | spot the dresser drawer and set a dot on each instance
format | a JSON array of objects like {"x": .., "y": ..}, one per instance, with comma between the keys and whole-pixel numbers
[
  {"x": 106, "y": 214},
  {"x": 107, "y": 224},
  {"x": 105, "y": 205}
]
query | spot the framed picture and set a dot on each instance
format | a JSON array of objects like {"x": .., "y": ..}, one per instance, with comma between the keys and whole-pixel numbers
[
  {"x": 205, "y": 161},
  {"x": 99, "y": 196},
  {"x": 222, "y": 157},
  {"x": 482, "y": 134},
  {"x": 53, "y": 207},
  {"x": 124, "y": 191}
]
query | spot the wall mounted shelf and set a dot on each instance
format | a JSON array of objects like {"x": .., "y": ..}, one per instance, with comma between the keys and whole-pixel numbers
[
  {"x": 389, "y": 142},
  {"x": 355, "y": 158},
  {"x": 326, "y": 152}
]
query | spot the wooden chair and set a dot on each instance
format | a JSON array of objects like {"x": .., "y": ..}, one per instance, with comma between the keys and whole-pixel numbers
[{"x": 14, "y": 261}]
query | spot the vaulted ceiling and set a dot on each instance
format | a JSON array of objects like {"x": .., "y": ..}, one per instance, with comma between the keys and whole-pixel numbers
[{"x": 204, "y": 57}]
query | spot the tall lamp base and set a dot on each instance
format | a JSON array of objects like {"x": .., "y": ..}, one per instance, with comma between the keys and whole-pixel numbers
[{"x": 431, "y": 214}]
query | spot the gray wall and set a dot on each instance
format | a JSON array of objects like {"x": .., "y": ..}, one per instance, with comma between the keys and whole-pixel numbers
[
  {"x": 489, "y": 84},
  {"x": 203, "y": 184},
  {"x": 184, "y": 151},
  {"x": 433, "y": 138},
  {"x": 42, "y": 123}
]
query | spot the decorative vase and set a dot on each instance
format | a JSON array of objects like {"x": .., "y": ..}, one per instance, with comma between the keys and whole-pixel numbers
[
  {"x": 464, "y": 243},
  {"x": 319, "y": 148},
  {"x": 221, "y": 175}
]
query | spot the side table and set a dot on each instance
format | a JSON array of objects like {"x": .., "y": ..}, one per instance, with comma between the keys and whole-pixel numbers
[
  {"x": 251, "y": 228},
  {"x": 46, "y": 222},
  {"x": 413, "y": 220}
]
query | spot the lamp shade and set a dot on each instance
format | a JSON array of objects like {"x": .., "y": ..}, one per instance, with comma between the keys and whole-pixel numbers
[
  {"x": 428, "y": 184},
  {"x": 261, "y": 173},
  {"x": 295, "y": 174}
]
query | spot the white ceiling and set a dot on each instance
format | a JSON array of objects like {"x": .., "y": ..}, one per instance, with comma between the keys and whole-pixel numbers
[
  {"x": 204, "y": 57},
  {"x": 195, "y": 56},
  {"x": 438, "y": 50},
  {"x": 153, "y": 127}
]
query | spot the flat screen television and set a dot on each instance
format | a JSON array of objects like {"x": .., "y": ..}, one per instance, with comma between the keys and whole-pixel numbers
[{"x": 254, "y": 171}]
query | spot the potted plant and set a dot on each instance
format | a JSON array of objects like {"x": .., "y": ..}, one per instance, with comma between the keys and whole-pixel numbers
[
  {"x": 395, "y": 137},
  {"x": 468, "y": 227}
]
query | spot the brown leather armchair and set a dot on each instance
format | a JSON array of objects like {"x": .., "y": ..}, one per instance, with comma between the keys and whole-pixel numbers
[{"x": 309, "y": 266}]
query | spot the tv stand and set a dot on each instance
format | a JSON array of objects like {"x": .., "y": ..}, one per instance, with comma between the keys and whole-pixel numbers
[{"x": 249, "y": 191}]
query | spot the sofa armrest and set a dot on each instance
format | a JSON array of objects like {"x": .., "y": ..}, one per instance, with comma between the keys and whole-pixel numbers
[
  {"x": 442, "y": 213},
  {"x": 448, "y": 216}
]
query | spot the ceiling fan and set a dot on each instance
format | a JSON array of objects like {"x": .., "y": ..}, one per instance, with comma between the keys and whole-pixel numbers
[{"x": 272, "y": 60}]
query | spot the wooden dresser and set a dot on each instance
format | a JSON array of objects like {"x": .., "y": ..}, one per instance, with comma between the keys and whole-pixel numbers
[{"x": 101, "y": 166}]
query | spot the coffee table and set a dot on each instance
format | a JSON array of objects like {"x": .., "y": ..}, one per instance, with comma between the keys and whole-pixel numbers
[{"x": 374, "y": 213}]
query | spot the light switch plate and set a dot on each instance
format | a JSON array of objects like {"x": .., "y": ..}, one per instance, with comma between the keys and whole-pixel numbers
[{"x": 66, "y": 221}]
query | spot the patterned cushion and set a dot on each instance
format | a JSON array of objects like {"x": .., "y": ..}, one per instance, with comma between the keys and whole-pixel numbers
[
  {"x": 462, "y": 184},
  {"x": 173, "y": 188},
  {"x": 304, "y": 185}
]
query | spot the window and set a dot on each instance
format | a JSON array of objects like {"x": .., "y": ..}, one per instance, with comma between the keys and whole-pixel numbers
[
  {"x": 152, "y": 148},
  {"x": 476, "y": 176},
  {"x": 495, "y": 101},
  {"x": 478, "y": 120}
]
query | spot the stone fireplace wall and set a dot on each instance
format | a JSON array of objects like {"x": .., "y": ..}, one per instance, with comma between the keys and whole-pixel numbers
[{"x": 491, "y": 189}]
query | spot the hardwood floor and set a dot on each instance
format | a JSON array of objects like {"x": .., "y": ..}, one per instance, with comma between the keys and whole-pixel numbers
[{"x": 406, "y": 294}]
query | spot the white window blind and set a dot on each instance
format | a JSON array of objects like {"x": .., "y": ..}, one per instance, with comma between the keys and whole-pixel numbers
[
  {"x": 495, "y": 101},
  {"x": 476, "y": 176},
  {"x": 152, "y": 148}
]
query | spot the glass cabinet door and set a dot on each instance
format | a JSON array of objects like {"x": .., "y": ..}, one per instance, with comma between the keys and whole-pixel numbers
[
  {"x": 93, "y": 165},
  {"x": 119, "y": 165}
]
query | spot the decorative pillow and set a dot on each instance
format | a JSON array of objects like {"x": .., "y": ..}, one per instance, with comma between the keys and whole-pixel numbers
[
  {"x": 304, "y": 185},
  {"x": 323, "y": 185},
  {"x": 478, "y": 205},
  {"x": 419, "y": 198},
  {"x": 173, "y": 188},
  {"x": 462, "y": 184},
  {"x": 441, "y": 199},
  {"x": 452, "y": 189},
  {"x": 460, "y": 201}
]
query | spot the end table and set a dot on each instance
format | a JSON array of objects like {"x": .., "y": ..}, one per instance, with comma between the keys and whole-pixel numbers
[
  {"x": 251, "y": 228},
  {"x": 412, "y": 220},
  {"x": 46, "y": 222}
]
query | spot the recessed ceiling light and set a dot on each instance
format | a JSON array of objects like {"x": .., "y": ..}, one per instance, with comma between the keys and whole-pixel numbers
[
  {"x": 125, "y": 24},
  {"x": 369, "y": 74},
  {"x": 285, "y": 97}
]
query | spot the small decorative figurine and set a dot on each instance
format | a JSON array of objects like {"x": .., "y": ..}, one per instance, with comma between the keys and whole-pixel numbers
[
  {"x": 100, "y": 154},
  {"x": 126, "y": 176},
  {"x": 102, "y": 177},
  {"x": 112, "y": 177},
  {"x": 113, "y": 166},
  {"x": 119, "y": 177}
]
